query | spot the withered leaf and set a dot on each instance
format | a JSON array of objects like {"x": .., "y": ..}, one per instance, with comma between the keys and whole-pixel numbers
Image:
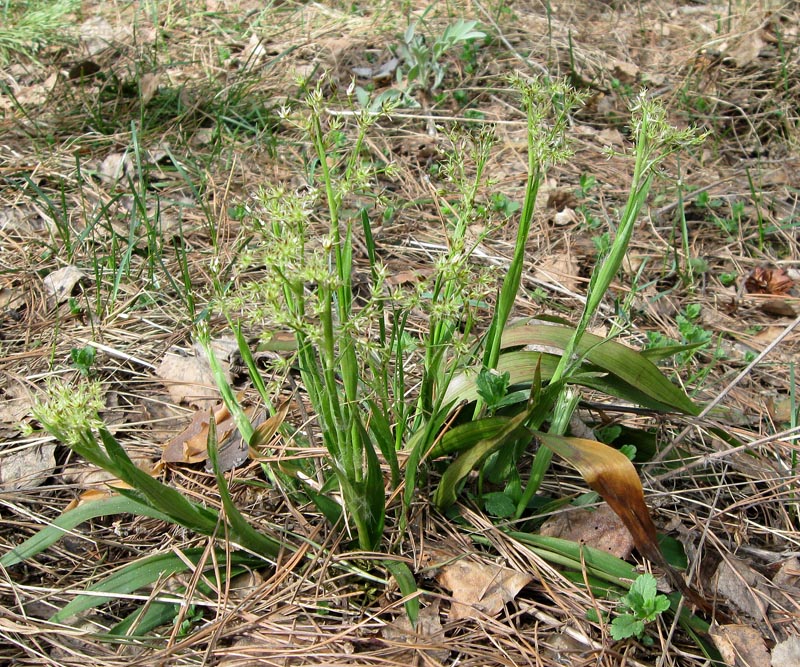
[
  {"x": 189, "y": 446},
  {"x": 741, "y": 646},
  {"x": 427, "y": 637},
  {"x": 763, "y": 280},
  {"x": 480, "y": 589},
  {"x": 599, "y": 527}
]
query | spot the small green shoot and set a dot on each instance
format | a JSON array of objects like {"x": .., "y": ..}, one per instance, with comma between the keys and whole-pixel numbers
[
  {"x": 82, "y": 359},
  {"x": 492, "y": 387},
  {"x": 644, "y": 604}
]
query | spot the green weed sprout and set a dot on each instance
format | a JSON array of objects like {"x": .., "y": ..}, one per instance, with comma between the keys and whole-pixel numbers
[
  {"x": 644, "y": 604},
  {"x": 422, "y": 63}
]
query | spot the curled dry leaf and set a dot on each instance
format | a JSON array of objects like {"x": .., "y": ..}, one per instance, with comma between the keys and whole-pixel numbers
[
  {"x": 27, "y": 468},
  {"x": 189, "y": 446},
  {"x": 743, "y": 587},
  {"x": 787, "y": 653},
  {"x": 189, "y": 380},
  {"x": 480, "y": 589},
  {"x": 764, "y": 280},
  {"x": 60, "y": 283}
]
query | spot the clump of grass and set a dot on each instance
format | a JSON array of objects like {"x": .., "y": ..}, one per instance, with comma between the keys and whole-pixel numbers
[
  {"x": 26, "y": 27},
  {"x": 374, "y": 387}
]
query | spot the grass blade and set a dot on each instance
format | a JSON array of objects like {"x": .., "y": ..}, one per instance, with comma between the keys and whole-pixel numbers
[{"x": 54, "y": 531}]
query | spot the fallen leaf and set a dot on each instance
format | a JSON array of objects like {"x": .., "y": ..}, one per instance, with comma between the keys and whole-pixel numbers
[
  {"x": 23, "y": 220},
  {"x": 428, "y": 637},
  {"x": 16, "y": 402},
  {"x": 91, "y": 478},
  {"x": 740, "y": 646},
  {"x": 148, "y": 86},
  {"x": 762, "y": 280},
  {"x": 480, "y": 589},
  {"x": 559, "y": 268},
  {"x": 97, "y": 34},
  {"x": 778, "y": 307},
  {"x": 28, "y": 467},
  {"x": 746, "y": 49},
  {"x": 60, "y": 284},
  {"x": 742, "y": 586},
  {"x": 565, "y": 216},
  {"x": 189, "y": 380},
  {"x": 787, "y": 653},
  {"x": 600, "y": 528},
  {"x": 625, "y": 72},
  {"x": 114, "y": 167},
  {"x": 788, "y": 574},
  {"x": 611, "y": 137},
  {"x": 264, "y": 431},
  {"x": 189, "y": 446}
]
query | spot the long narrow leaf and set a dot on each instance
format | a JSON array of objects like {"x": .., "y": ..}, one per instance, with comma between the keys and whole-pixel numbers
[
  {"x": 445, "y": 494},
  {"x": 241, "y": 531},
  {"x": 162, "y": 497},
  {"x": 408, "y": 586},
  {"x": 142, "y": 573},
  {"x": 60, "y": 526},
  {"x": 611, "y": 474},
  {"x": 613, "y": 357}
]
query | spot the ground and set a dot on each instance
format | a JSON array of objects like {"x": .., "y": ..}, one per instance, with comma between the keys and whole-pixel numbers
[{"x": 135, "y": 140}]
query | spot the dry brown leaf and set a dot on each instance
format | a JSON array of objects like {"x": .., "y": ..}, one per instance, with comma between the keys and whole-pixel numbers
[
  {"x": 28, "y": 467},
  {"x": 263, "y": 432},
  {"x": 97, "y": 34},
  {"x": 611, "y": 474},
  {"x": 428, "y": 637},
  {"x": 787, "y": 653},
  {"x": 559, "y": 268},
  {"x": 742, "y": 586},
  {"x": 60, "y": 283},
  {"x": 763, "y": 280},
  {"x": 740, "y": 646},
  {"x": 746, "y": 49},
  {"x": 189, "y": 380},
  {"x": 15, "y": 402},
  {"x": 114, "y": 167},
  {"x": 148, "y": 86},
  {"x": 600, "y": 528},
  {"x": 480, "y": 589},
  {"x": 778, "y": 308},
  {"x": 189, "y": 446}
]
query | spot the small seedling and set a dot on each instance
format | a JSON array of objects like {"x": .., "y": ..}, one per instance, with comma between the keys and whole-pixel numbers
[
  {"x": 644, "y": 604},
  {"x": 82, "y": 359}
]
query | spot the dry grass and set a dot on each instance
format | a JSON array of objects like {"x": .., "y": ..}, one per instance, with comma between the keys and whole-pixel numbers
[{"x": 209, "y": 135}]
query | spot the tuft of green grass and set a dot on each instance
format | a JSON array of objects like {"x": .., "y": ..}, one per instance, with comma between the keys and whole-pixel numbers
[{"x": 26, "y": 27}]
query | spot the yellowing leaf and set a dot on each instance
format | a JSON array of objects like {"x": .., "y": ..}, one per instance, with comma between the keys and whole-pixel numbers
[{"x": 610, "y": 473}]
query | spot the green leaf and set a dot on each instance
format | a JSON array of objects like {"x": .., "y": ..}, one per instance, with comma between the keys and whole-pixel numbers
[
  {"x": 53, "y": 532},
  {"x": 374, "y": 493},
  {"x": 579, "y": 557},
  {"x": 625, "y": 625},
  {"x": 144, "y": 572},
  {"x": 499, "y": 504},
  {"x": 446, "y": 491},
  {"x": 241, "y": 531},
  {"x": 613, "y": 357},
  {"x": 492, "y": 387},
  {"x": 643, "y": 591},
  {"x": 162, "y": 497},
  {"x": 408, "y": 586}
]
